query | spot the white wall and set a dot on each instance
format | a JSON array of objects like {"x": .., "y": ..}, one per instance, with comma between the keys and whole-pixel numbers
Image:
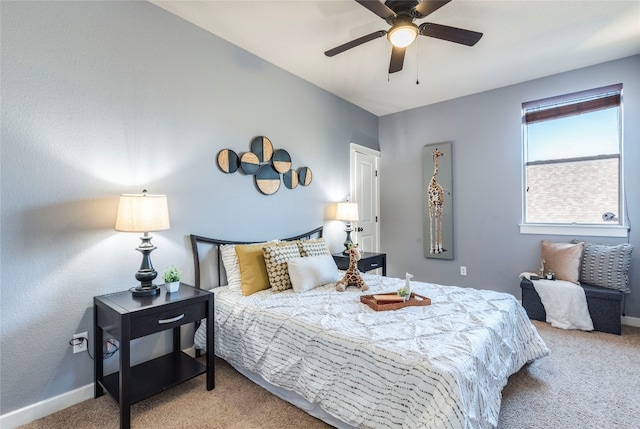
[
  {"x": 104, "y": 98},
  {"x": 487, "y": 180}
]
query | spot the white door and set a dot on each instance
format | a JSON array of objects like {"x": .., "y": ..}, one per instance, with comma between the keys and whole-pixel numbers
[{"x": 365, "y": 191}]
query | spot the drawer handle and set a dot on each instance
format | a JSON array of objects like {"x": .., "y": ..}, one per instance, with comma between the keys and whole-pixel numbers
[
  {"x": 374, "y": 265},
  {"x": 173, "y": 319}
]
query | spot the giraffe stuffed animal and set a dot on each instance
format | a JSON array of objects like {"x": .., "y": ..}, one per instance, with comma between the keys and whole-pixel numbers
[{"x": 352, "y": 277}]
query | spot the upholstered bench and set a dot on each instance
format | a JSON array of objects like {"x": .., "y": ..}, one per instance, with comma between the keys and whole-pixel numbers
[
  {"x": 605, "y": 306},
  {"x": 602, "y": 271}
]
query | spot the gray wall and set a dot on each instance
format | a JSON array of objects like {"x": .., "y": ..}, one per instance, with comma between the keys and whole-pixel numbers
[
  {"x": 104, "y": 98},
  {"x": 486, "y": 134}
]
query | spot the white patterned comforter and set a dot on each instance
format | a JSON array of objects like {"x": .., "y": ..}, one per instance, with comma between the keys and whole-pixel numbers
[{"x": 438, "y": 366}]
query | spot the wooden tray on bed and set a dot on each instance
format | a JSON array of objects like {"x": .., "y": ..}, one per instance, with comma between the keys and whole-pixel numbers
[{"x": 414, "y": 300}]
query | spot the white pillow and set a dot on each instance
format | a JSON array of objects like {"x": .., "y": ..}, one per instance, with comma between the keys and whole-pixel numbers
[
  {"x": 311, "y": 272},
  {"x": 231, "y": 266}
]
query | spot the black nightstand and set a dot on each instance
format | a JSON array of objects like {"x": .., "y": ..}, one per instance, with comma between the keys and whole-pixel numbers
[
  {"x": 369, "y": 261},
  {"x": 126, "y": 317}
]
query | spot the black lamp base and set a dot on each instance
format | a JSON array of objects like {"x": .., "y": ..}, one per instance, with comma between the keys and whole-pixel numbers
[
  {"x": 145, "y": 290},
  {"x": 146, "y": 274},
  {"x": 348, "y": 243}
]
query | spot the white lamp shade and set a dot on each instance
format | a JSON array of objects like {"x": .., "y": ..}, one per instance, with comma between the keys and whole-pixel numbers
[
  {"x": 347, "y": 211},
  {"x": 142, "y": 213},
  {"x": 403, "y": 36}
]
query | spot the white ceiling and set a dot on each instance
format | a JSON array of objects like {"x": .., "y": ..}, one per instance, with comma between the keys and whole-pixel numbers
[{"x": 523, "y": 40}]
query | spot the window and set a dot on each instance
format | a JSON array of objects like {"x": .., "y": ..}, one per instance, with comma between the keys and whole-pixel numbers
[{"x": 573, "y": 159}]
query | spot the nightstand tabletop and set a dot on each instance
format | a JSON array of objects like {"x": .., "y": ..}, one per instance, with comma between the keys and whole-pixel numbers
[{"x": 124, "y": 302}]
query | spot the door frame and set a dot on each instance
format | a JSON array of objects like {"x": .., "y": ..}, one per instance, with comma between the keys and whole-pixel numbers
[{"x": 353, "y": 148}]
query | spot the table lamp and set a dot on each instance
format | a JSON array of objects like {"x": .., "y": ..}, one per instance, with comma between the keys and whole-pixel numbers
[
  {"x": 347, "y": 212},
  {"x": 143, "y": 213}
]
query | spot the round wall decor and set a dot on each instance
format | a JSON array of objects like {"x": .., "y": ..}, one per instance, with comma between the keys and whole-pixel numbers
[
  {"x": 281, "y": 161},
  {"x": 290, "y": 179},
  {"x": 263, "y": 148},
  {"x": 268, "y": 180},
  {"x": 228, "y": 161},
  {"x": 266, "y": 165},
  {"x": 304, "y": 175},
  {"x": 249, "y": 163}
]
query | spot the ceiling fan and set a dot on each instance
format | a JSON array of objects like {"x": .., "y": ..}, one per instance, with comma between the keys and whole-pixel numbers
[{"x": 400, "y": 14}]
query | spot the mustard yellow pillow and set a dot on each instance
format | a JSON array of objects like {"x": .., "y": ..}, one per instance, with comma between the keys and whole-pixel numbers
[
  {"x": 563, "y": 259},
  {"x": 253, "y": 270}
]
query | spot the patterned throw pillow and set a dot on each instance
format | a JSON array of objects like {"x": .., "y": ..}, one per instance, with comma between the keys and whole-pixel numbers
[
  {"x": 316, "y": 247},
  {"x": 275, "y": 258},
  {"x": 606, "y": 266}
]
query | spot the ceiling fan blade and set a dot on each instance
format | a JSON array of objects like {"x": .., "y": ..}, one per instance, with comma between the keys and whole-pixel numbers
[
  {"x": 451, "y": 34},
  {"x": 427, "y": 7},
  {"x": 397, "y": 59},
  {"x": 352, "y": 44},
  {"x": 378, "y": 8}
]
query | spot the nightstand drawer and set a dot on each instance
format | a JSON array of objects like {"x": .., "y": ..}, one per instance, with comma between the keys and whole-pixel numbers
[
  {"x": 172, "y": 317},
  {"x": 369, "y": 261},
  {"x": 370, "y": 264}
]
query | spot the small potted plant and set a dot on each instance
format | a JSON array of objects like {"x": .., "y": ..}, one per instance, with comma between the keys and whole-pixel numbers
[
  {"x": 405, "y": 292},
  {"x": 172, "y": 279},
  {"x": 551, "y": 275},
  {"x": 402, "y": 292}
]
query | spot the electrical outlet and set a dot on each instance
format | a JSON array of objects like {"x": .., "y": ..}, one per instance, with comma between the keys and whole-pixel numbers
[
  {"x": 111, "y": 345},
  {"x": 80, "y": 345},
  {"x": 463, "y": 271}
]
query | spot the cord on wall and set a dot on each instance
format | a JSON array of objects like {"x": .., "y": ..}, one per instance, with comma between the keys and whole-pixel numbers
[{"x": 112, "y": 347}]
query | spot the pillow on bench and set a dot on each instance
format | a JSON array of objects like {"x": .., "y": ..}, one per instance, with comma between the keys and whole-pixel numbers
[
  {"x": 606, "y": 266},
  {"x": 563, "y": 259}
]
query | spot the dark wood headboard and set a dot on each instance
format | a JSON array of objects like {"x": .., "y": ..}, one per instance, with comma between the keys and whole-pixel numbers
[{"x": 213, "y": 244}]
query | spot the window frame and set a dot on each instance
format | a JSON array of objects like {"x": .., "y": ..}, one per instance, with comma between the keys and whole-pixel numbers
[{"x": 566, "y": 108}]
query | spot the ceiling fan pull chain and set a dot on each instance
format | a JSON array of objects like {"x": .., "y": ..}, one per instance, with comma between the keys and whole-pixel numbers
[{"x": 417, "y": 65}]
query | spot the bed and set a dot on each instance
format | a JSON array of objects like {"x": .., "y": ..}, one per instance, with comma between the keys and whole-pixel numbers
[{"x": 437, "y": 366}]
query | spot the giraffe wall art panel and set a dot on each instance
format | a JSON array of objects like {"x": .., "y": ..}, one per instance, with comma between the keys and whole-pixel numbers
[{"x": 437, "y": 197}]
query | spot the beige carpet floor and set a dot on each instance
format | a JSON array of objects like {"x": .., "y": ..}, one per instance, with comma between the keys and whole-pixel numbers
[{"x": 590, "y": 380}]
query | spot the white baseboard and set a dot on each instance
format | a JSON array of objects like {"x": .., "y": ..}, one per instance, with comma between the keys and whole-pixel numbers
[
  {"x": 631, "y": 321},
  {"x": 44, "y": 408},
  {"x": 49, "y": 406},
  {"x": 191, "y": 351}
]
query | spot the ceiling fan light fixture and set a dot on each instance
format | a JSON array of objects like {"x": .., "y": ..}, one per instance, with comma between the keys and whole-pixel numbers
[{"x": 403, "y": 35}]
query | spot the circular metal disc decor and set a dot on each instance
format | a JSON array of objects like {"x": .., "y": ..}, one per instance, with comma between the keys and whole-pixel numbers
[
  {"x": 281, "y": 161},
  {"x": 268, "y": 180},
  {"x": 228, "y": 161},
  {"x": 290, "y": 179},
  {"x": 249, "y": 163},
  {"x": 304, "y": 174},
  {"x": 263, "y": 148}
]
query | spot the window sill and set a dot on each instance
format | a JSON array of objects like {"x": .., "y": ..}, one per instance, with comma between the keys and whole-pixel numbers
[{"x": 576, "y": 230}]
